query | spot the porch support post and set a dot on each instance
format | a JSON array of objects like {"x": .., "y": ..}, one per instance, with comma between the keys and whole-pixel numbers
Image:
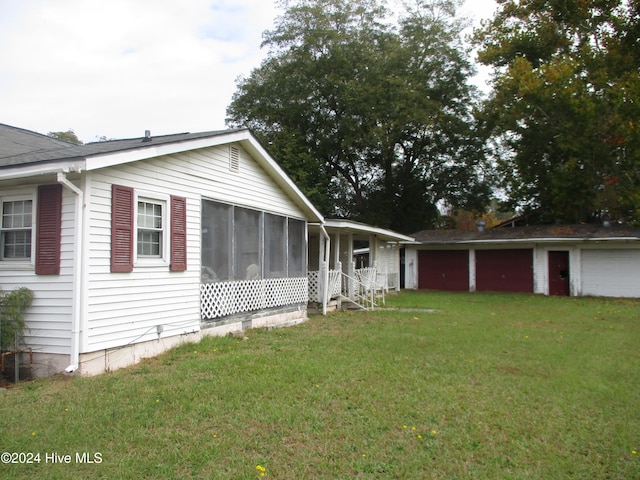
[
  {"x": 472, "y": 270},
  {"x": 373, "y": 252},
  {"x": 321, "y": 248},
  {"x": 350, "y": 266}
]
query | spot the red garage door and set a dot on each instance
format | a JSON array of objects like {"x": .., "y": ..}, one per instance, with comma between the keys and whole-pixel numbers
[
  {"x": 443, "y": 270},
  {"x": 504, "y": 270}
]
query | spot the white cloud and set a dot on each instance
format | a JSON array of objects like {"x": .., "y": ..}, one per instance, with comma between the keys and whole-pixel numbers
[
  {"x": 116, "y": 68},
  {"x": 119, "y": 67}
]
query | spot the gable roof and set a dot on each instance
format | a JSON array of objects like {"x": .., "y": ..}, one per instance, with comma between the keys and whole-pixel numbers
[
  {"x": 24, "y": 154},
  {"x": 534, "y": 233}
]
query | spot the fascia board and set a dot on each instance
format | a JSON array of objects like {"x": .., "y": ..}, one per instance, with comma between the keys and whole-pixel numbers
[
  {"x": 354, "y": 227},
  {"x": 532, "y": 241},
  {"x": 105, "y": 160},
  {"x": 555, "y": 240}
]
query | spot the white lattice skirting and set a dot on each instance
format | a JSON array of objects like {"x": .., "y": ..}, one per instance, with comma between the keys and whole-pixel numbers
[
  {"x": 221, "y": 299},
  {"x": 315, "y": 287}
]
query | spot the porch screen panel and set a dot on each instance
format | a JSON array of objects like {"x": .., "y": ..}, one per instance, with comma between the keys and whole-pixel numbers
[
  {"x": 275, "y": 246},
  {"x": 216, "y": 241},
  {"x": 247, "y": 244},
  {"x": 297, "y": 248}
]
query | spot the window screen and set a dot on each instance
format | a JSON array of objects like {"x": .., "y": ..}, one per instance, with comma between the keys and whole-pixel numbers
[
  {"x": 247, "y": 244},
  {"x": 297, "y": 251},
  {"x": 275, "y": 246},
  {"x": 216, "y": 241},
  {"x": 243, "y": 244}
]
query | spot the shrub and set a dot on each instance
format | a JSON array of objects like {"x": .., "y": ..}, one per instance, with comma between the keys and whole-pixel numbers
[{"x": 12, "y": 308}]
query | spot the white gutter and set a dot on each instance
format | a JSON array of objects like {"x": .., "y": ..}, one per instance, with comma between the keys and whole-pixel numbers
[
  {"x": 530, "y": 240},
  {"x": 361, "y": 228},
  {"x": 12, "y": 173},
  {"x": 77, "y": 273}
]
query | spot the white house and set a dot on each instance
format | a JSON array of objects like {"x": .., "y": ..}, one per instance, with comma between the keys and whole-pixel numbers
[
  {"x": 594, "y": 260},
  {"x": 132, "y": 246}
]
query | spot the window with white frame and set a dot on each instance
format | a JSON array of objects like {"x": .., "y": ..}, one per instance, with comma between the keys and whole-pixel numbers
[
  {"x": 150, "y": 228},
  {"x": 16, "y": 228}
]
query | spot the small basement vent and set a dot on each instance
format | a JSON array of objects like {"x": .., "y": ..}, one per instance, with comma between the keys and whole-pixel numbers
[{"x": 234, "y": 159}]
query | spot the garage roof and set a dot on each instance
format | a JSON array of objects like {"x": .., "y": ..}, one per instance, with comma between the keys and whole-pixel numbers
[{"x": 536, "y": 233}]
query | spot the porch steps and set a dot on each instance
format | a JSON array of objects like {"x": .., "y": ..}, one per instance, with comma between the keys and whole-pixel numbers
[
  {"x": 316, "y": 309},
  {"x": 348, "y": 304},
  {"x": 333, "y": 306}
]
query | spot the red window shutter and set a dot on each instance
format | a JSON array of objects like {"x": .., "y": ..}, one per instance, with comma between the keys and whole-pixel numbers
[
  {"x": 178, "y": 234},
  {"x": 121, "y": 229},
  {"x": 48, "y": 229}
]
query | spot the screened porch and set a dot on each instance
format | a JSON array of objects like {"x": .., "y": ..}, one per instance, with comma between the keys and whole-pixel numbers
[{"x": 251, "y": 261}]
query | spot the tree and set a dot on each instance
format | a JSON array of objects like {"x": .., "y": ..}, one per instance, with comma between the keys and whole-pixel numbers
[
  {"x": 12, "y": 324},
  {"x": 68, "y": 136},
  {"x": 565, "y": 107},
  {"x": 371, "y": 117}
]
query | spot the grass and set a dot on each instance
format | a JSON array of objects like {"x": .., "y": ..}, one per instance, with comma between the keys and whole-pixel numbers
[{"x": 489, "y": 386}]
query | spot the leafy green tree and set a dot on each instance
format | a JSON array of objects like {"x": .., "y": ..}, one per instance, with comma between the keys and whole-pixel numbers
[
  {"x": 565, "y": 107},
  {"x": 370, "y": 114},
  {"x": 68, "y": 136}
]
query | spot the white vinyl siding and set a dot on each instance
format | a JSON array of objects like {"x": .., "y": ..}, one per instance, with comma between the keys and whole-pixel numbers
[
  {"x": 127, "y": 308},
  {"x": 49, "y": 318},
  {"x": 611, "y": 273},
  {"x": 388, "y": 264}
]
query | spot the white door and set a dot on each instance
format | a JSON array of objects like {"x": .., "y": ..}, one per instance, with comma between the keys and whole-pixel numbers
[{"x": 611, "y": 273}]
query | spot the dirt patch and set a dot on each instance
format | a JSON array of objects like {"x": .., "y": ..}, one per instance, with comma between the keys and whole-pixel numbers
[{"x": 423, "y": 310}]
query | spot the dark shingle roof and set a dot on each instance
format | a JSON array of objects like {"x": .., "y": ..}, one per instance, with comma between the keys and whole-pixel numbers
[
  {"x": 17, "y": 145},
  {"x": 533, "y": 233},
  {"x": 22, "y": 147},
  {"x": 112, "y": 146}
]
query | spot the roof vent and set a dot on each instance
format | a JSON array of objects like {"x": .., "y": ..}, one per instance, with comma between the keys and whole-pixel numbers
[
  {"x": 480, "y": 225},
  {"x": 147, "y": 136},
  {"x": 234, "y": 159}
]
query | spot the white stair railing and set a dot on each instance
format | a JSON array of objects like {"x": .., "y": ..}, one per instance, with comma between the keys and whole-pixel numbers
[{"x": 360, "y": 294}]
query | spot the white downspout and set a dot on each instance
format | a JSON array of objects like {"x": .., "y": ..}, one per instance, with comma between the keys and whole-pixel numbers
[
  {"x": 325, "y": 273},
  {"x": 77, "y": 275}
]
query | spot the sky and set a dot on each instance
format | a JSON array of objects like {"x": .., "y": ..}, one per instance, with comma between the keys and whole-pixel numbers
[{"x": 115, "y": 68}]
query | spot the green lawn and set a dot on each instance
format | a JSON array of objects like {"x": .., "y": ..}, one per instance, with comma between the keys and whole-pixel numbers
[{"x": 487, "y": 386}]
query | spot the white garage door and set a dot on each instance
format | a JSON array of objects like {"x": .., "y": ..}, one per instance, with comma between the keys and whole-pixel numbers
[{"x": 611, "y": 273}]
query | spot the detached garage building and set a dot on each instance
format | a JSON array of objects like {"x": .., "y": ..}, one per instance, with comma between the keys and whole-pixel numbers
[{"x": 551, "y": 260}]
